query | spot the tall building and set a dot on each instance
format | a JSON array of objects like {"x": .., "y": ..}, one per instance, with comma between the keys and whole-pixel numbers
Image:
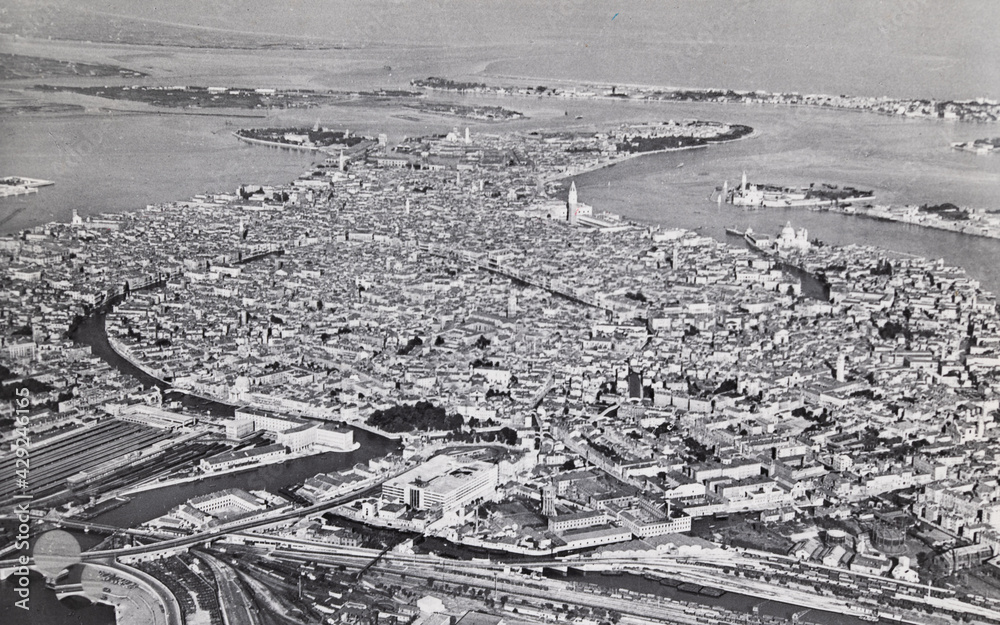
[
  {"x": 572, "y": 205},
  {"x": 549, "y": 500},
  {"x": 841, "y": 367}
]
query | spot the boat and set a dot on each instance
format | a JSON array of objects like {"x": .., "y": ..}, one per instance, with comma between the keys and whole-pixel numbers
[
  {"x": 613, "y": 573},
  {"x": 691, "y": 588},
  {"x": 708, "y": 591},
  {"x": 734, "y": 232},
  {"x": 650, "y": 576},
  {"x": 671, "y": 583}
]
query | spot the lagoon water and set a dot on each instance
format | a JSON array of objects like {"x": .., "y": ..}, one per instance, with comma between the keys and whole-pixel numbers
[{"x": 120, "y": 161}]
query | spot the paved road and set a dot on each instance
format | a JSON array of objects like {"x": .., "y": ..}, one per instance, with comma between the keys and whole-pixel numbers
[{"x": 233, "y": 600}]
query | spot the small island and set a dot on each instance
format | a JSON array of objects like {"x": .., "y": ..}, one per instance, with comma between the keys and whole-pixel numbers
[
  {"x": 765, "y": 195},
  {"x": 671, "y": 135},
  {"x": 18, "y": 66},
  {"x": 17, "y": 185},
  {"x": 481, "y": 113},
  {"x": 313, "y": 139},
  {"x": 185, "y": 96}
]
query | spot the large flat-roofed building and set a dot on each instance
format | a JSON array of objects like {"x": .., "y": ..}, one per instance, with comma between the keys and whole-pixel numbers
[
  {"x": 583, "y": 538},
  {"x": 645, "y": 520},
  {"x": 155, "y": 417},
  {"x": 577, "y": 520},
  {"x": 444, "y": 482},
  {"x": 297, "y": 438},
  {"x": 231, "y": 459},
  {"x": 335, "y": 436},
  {"x": 237, "y": 429},
  {"x": 268, "y": 421},
  {"x": 231, "y": 501}
]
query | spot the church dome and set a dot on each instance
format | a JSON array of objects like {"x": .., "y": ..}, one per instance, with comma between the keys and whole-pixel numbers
[{"x": 788, "y": 232}]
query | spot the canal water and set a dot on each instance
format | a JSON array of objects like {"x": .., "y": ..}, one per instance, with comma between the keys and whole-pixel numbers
[{"x": 272, "y": 477}]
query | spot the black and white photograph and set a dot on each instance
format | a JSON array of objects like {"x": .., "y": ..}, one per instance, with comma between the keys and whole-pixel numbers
[{"x": 499, "y": 312}]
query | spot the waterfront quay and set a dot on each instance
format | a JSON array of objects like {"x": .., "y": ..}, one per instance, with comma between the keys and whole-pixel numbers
[{"x": 560, "y": 380}]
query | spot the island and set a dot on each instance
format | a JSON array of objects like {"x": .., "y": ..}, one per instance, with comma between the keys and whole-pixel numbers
[
  {"x": 187, "y": 96},
  {"x": 17, "y": 185},
  {"x": 765, "y": 195},
  {"x": 979, "y": 109},
  {"x": 18, "y": 66}
]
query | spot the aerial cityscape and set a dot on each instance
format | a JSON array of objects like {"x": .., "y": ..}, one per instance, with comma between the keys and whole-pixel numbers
[{"x": 454, "y": 314}]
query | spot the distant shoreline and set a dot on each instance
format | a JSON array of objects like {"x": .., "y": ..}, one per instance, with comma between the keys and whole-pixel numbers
[
  {"x": 979, "y": 110},
  {"x": 869, "y": 214}
]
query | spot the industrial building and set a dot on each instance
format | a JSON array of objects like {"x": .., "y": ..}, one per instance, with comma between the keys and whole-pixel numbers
[{"x": 444, "y": 482}]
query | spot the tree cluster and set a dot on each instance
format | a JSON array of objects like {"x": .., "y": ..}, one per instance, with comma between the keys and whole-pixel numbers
[{"x": 421, "y": 416}]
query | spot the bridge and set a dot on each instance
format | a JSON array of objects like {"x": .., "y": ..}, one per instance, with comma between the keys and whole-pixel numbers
[
  {"x": 229, "y": 528},
  {"x": 88, "y": 526},
  {"x": 551, "y": 285}
]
